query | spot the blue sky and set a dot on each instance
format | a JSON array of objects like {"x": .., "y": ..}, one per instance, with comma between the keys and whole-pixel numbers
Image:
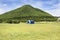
[{"x": 50, "y": 6}]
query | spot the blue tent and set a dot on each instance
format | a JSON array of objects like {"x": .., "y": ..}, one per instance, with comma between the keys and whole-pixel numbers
[{"x": 30, "y": 22}]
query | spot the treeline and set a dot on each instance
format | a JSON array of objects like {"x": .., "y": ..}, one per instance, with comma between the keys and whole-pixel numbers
[
  {"x": 9, "y": 21},
  {"x": 24, "y": 19},
  {"x": 37, "y": 18}
]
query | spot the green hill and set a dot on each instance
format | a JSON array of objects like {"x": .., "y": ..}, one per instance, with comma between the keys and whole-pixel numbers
[{"x": 26, "y": 12}]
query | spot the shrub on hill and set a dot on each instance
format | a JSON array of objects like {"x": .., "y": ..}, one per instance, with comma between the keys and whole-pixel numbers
[
  {"x": 13, "y": 21},
  {"x": 1, "y": 21}
]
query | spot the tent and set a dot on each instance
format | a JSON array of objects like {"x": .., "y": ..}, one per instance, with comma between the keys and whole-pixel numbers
[{"x": 30, "y": 22}]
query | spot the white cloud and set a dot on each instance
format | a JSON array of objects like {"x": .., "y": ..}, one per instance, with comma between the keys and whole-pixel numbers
[
  {"x": 56, "y": 11},
  {"x": 4, "y": 4},
  {"x": 1, "y": 11},
  {"x": 37, "y": 4}
]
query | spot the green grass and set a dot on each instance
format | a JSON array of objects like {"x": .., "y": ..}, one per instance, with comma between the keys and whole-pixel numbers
[{"x": 23, "y": 31}]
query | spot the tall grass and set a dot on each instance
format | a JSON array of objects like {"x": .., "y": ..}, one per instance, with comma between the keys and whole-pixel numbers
[{"x": 46, "y": 31}]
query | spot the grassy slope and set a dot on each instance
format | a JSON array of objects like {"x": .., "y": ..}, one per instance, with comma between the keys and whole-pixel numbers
[
  {"x": 39, "y": 31},
  {"x": 25, "y": 10}
]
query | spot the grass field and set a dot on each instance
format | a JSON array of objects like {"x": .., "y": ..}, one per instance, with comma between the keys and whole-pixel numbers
[{"x": 23, "y": 31}]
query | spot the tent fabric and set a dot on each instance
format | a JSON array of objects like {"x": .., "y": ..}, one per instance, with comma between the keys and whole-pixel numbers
[{"x": 30, "y": 22}]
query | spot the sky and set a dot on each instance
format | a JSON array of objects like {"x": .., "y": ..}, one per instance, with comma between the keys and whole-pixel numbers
[{"x": 49, "y": 6}]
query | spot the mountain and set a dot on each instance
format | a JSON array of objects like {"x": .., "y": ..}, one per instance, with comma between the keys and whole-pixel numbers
[{"x": 26, "y": 12}]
